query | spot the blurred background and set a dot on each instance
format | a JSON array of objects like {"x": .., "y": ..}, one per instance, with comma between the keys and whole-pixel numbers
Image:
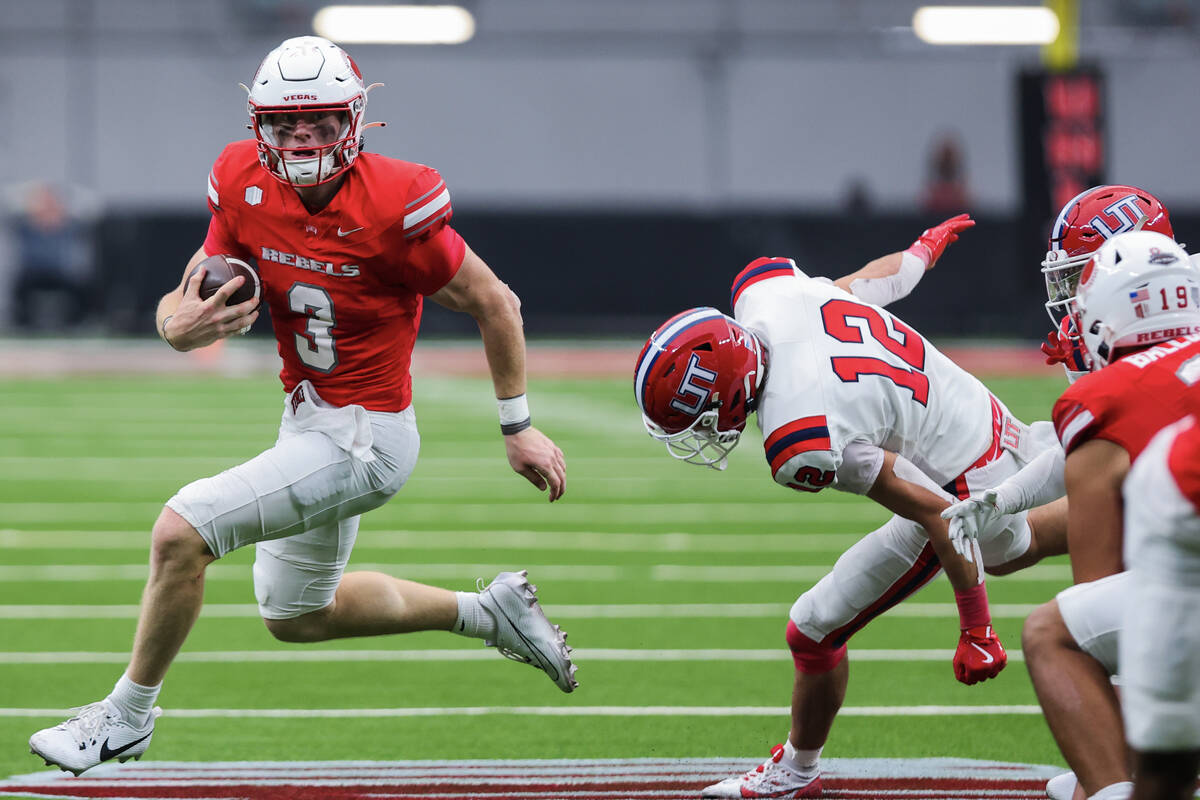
[{"x": 613, "y": 160}]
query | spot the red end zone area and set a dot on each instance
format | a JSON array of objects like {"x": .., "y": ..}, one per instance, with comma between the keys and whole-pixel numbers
[{"x": 605, "y": 779}]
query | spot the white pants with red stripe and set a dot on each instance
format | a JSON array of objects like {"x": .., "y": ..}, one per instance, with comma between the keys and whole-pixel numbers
[{"x": 894, "y": 561}]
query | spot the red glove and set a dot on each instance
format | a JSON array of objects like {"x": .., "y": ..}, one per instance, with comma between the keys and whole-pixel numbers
[
  {"x": 1062, "y": 346},
  {"x": 930, "y": 245},
  {"x": 979, "y": 655}
]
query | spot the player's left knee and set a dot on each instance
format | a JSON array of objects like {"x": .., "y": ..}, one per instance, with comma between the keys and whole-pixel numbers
[
  {"x": 1044, "y": 629},
  {"x": 812, "y": 657}
]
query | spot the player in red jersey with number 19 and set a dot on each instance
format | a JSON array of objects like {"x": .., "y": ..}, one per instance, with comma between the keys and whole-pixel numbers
[
  {"x": 347, "y": 245},
  {"x": 1138, "y": 311}
]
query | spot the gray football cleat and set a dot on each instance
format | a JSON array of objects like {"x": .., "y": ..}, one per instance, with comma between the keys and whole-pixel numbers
[{"x": 522, "y": 631}]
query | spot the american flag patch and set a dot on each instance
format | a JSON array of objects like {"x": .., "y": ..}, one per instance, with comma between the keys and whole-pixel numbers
[{"x": 1140, "y": 298}]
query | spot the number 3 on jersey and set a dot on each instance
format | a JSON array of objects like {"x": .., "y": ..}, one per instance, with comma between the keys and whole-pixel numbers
[
  {"x": 315, "y": 346},
  {"x": 909, "y": 348}
]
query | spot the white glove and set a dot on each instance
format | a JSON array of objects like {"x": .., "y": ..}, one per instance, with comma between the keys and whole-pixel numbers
[{"x": 968, "y": 518}]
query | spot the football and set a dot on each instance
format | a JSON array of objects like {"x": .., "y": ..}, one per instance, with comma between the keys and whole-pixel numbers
[{"x": 220, "y": 270}]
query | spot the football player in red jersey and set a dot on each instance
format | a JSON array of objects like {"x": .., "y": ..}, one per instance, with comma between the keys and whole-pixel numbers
[
  {"x": 1138, "y": 310},
  {"x": 1085, "y": 223},
  {"x": 347, "y": 245},
  {"x": 1160, "y": 648}
]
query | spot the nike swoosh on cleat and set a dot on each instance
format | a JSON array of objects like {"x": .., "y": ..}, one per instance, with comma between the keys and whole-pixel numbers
[
  {"x": 547, "y": 664},
  {"x": 986, "y": 655},
  {"x": 341, "y": 232},
  {"x": 106, "y": 754}
]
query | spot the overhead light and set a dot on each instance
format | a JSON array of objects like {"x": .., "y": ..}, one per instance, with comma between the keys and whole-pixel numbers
[
  {"x": 986, "y": 25},
  {"x": 395, "y": 24}
]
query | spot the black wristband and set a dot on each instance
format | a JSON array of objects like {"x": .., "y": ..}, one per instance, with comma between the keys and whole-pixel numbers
[{"x": 516, "y": 427}]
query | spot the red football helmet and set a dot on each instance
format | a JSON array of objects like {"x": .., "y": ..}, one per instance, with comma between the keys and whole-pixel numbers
[
  {"x": 697, "y": 381},
  {"x": 1089, "y": 220}
]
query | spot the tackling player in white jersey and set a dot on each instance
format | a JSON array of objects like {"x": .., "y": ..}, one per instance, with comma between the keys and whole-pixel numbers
[{"x": 848, "y": 397}]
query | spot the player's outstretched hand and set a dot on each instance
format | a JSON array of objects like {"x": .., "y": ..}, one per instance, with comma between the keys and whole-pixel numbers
[
  {"x": 930, "y": 245},
  {"x": 979, "y": 655},
  {"x": 532, "y": 454},
  {"x": 196, "y": 322},
  {"x": 970, "y": 517}
]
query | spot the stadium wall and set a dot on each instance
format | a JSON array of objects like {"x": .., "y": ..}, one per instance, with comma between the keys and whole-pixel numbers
[{"x": 612, "y": 274}]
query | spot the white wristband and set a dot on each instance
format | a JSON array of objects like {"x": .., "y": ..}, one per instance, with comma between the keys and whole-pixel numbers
[{"x": 514, "y": 413}]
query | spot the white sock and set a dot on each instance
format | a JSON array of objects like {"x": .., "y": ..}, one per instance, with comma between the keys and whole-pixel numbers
[
  {"x": 134, "y": 701},
  {"x": 473, "y": 619},
  {"x": 801, "y": 760},
  {"x": 1114, "y": 791}
]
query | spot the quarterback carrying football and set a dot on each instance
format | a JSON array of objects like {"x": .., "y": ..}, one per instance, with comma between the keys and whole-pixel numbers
[
  {"x": 347, "y": 245},
  {"x": 849, "y": 397}
]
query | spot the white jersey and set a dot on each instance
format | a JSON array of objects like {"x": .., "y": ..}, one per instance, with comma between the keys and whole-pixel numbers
[{"x": 842, "y": 371}]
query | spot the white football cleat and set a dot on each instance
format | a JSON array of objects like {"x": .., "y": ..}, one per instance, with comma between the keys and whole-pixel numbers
[
  {"x": 522, "y": 631},
  {"x": 1062, "y": 787},
  {"x": 96, "y": 734},
  {"x": 769, "y": 779}
]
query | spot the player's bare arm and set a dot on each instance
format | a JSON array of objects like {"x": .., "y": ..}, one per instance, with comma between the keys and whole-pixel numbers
[
  {"x": 476, "y": 290},
  {"x": 891, "y": 277},
  {"x": 186, "y": 322},
  {"x": 1094, "y": 472},
  {"x": 912, "y": 501}
]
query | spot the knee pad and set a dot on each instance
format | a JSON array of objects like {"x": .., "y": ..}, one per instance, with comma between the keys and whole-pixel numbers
[{"x": 811, "y": 657}]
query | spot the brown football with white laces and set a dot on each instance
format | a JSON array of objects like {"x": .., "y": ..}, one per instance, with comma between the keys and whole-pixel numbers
[{"x": 220, "y": 270}]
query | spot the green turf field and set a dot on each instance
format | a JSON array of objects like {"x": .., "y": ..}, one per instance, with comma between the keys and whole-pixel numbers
[{"x": 643, "y": 555}]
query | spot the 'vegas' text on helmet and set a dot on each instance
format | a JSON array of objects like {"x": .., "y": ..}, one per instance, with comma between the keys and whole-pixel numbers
[{"x": 307, "y": 75}]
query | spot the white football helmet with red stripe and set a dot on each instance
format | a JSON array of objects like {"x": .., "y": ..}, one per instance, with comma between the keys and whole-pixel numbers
[
  {"x": 307, "y": 74},
  {"x": 697, "y": 381},
  {"x": 1139, "y": 289}
]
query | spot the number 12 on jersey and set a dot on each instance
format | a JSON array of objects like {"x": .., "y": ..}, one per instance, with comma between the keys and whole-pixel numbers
[{"x": 909, "y": 348}]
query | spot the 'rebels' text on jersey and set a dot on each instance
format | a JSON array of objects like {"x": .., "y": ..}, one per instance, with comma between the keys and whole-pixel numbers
[
  {"x": 345, "y": 285},
  {"x": 1130, "y": 400}
]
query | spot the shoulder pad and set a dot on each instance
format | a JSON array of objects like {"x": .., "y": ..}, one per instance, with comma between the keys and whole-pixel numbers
[
  {"x": 800, "y": 454},
  {"x": 427, "y": 205},
  {"x": 760, "y": 269}
]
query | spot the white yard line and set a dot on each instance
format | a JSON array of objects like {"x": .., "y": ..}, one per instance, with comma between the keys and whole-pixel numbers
[
  {"x": 663, "y": 573},
  {"x": 579, "y": 611},
  {"x": 555, "y": 711},
  {"x": 737, "y": 514},
  {"x": 460, "y": 655},
  {"x": 677, "y": 541}
]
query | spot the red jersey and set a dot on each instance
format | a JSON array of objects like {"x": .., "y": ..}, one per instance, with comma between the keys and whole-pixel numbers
[
  {"x": 1132, "y": 399},
  {"x": 344, "y": 285}
]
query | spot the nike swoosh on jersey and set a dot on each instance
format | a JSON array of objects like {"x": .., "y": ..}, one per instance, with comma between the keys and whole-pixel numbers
[
  {"x": 986, "y": 655},
  {"x": 106, "y": 754},
  {"x": 341, "y": 232}
]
